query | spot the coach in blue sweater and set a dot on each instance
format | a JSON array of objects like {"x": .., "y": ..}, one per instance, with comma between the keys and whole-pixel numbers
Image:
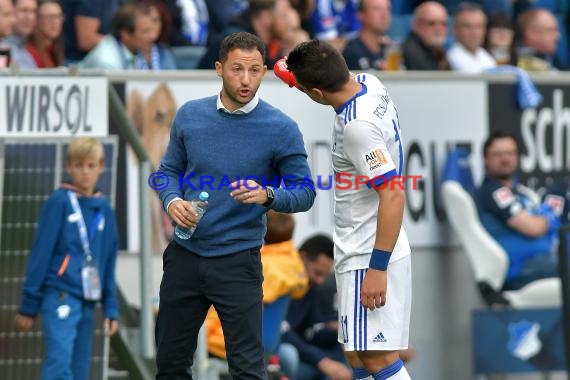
[{"x": 239, "y": 149}]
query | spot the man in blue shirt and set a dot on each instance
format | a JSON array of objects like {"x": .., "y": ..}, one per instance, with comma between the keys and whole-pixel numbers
[
  {"x": 367, "y": 50},
  {"x": 514, "y": 215},
  {"x": 86, "y": 22},
  {"x": 239, "y": 149},
  {"x": 315, "y": 337}
]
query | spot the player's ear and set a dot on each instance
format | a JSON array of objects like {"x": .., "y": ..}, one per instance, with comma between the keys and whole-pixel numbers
[
  {"x": 218, "y": 66},
  {"x": 315, "y": 93}
]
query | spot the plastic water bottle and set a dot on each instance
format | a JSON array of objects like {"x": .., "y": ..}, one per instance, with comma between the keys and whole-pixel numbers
[{"x": 200, "y": 206}]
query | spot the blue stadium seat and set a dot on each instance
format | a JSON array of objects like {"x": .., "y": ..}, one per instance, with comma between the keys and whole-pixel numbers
[
  {"x": 498, "y": 6},
  {"x": 402, "y": 7},
  {"x": 458, "y": 169},
  {"x": 564, "y": 43},
  {"x": 188, "y": 57},
  {"x": 273, "y": 314},
  {"x": 554, "y": 6},
  {"x": 400, "y": 27}
]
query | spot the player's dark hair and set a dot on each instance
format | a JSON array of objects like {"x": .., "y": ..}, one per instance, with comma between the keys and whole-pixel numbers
[
  {"x": 318, "y": 64},
  {"x": 316, "y": 246}
]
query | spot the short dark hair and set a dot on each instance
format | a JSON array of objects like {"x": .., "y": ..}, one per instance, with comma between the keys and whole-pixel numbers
[
  {"x": 467, "y": 6},
  {"x": 255, "y": 7},
  {"x": 500, "y": 20},
  {"x": 280, "y": 227},
  {"x": 498, "y": 135},
  {"x": 126, "y": 17},
  {"x": 318, "y": 245},
  {"x": 241, "y": 40},
  {"x": 318, "y": 64}
]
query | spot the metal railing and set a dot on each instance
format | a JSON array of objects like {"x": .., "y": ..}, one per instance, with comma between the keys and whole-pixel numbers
[{"x": 119, "y": 116}]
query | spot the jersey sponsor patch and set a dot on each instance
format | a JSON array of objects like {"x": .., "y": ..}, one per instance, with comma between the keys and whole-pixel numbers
[
  {"x": 556, "y": 202},
  {"x": 374, "y": 159},
  {"x": 503, "y": 196}
]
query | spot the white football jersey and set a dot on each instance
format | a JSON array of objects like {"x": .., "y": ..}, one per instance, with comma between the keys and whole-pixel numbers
[{"x": 367, "y": 146}]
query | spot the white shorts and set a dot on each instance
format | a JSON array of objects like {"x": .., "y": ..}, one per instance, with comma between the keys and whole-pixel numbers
[{"x": 386, "y": 328}]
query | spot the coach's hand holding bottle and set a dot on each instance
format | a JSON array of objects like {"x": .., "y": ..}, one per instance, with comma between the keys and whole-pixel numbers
[{"x": 187, "y": 214}]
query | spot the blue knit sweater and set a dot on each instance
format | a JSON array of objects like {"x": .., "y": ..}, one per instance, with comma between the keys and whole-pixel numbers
[{"x": 209, "y": 149}]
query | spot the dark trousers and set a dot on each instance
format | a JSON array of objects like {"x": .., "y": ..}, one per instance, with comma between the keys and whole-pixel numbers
[{"x": 190, "y": 285}]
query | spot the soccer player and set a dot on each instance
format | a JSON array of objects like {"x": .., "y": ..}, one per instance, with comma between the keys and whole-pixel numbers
[{"x": 372, "y": 253}]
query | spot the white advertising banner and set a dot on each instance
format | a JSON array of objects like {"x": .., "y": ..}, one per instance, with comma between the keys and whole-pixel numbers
[
  {"x": 53, "y": 106},
  {"x": 434, "y": 115}
]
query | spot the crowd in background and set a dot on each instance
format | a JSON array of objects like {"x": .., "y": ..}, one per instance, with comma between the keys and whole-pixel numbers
[{"x": 372, "y": 34}]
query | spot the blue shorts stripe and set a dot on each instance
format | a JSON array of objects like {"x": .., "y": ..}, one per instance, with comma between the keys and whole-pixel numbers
[
  {"x": 362, "y": 313},
  {"x": 355, "y": 308}
]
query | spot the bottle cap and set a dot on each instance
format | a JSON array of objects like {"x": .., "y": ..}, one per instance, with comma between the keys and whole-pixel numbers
[{"x": 204, "y": 196}]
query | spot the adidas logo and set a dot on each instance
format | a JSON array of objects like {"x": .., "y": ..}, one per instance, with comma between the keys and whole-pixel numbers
[{"x": 379, "y": 338}]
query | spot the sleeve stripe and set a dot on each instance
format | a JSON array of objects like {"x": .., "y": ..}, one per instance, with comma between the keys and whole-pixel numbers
[{"x": 381, "y": 179}]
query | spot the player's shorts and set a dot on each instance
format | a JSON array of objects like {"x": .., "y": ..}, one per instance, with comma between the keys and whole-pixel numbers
[{"x": 386, "y": 328}]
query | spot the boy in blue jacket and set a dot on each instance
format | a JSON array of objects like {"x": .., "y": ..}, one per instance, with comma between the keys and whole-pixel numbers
[{"x": 72, "y": 266}]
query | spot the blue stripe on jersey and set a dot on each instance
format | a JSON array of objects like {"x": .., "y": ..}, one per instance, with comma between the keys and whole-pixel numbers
[
  {"x": 387, "y": 372},
  {"x": 345, "y": 105},
  {"x": 350, "y": 111},
  {"x": 356, "y": 299},
  {"x": 400, "y": 149},
  {"x": 354, "y": 110},
  {"x": 381, "y": 179}
]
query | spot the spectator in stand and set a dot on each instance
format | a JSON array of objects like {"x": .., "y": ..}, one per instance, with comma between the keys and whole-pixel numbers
[
  {"x": 133, "y": 31},
  {"x": 221, "y": 12},
  {"x": 257, "y": 19},
  {"x": 46, "y": 42},
  {"x": 335, "y": 21},
  {"x": 305, "y": 9},
  {"x": 6, "y": 18},
  {"x": 157, "y": 56},
  {"x": 190, "y": 22},
  {"x": 500, "y": 37},
  {"x": 86, "y": 22},
  {"x": 287, "y": 30},
  {"x": 539, "y": 35},
  {"x": 367, "y": 50},
  {"x": 25, "y": 23},
  {"x": 467, "y": 54},
  {"x": 525, "y": 226},
  {"x": 306, "y": 328},
  {"x": 424, "y": 48}
]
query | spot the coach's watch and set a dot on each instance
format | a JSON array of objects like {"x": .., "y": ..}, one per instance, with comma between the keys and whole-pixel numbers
[{"x": 270, "y": 195}]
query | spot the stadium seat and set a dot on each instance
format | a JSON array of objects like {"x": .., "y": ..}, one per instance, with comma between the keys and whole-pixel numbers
[
  {"x": 498, "y": 6},
  {"x": 188, "y": 57},
  {"x": 400, "y": 27},
  {"x": 487, "y": 258},
  {"x": 554, "y": 6},
  {"x": 563, "y": 43},
  {"x": 402, "y": 7},
  {"x": 273, "y": 314}
]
